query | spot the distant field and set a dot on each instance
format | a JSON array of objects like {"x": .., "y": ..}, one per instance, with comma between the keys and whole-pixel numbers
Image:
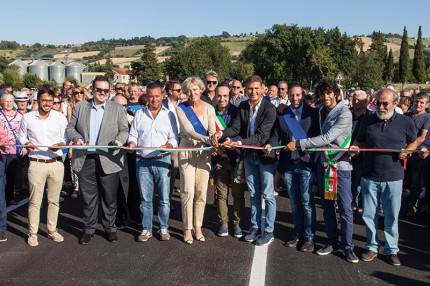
[
  {"x": 132, "y": 51},
  {"x": 77, "y": 55},
  {"x": 10, "y": 53},
  {"x": 393, "y": 45},
  {"x": 235, "y": 47},
  {"x": 425, "y": 87}
]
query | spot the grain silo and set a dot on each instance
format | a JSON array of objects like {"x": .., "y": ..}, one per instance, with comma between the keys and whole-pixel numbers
[
  {"x": 75, "y": 69},
  {"x": 39, "y": 68},
  {"x": 57, "y": 72},
  {"x": 22, "y": 66}
]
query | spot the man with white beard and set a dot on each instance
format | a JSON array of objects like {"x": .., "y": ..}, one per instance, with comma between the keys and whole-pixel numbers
[{"x": 382, "y": 173}]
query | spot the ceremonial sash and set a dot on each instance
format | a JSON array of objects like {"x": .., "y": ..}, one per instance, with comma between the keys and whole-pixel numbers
[
  {"x": 239, "y": 174},
  {"x": 330, "y": 167},
  {"x": 192, "y": 117},
  {"x": 293, "y": 124}
]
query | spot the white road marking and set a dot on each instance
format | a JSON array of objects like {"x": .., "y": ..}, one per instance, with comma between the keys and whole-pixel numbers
[{"x": 258, "y": 269}]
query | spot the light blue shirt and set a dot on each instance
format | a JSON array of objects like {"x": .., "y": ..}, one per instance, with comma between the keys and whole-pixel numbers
[
  {"x": 147, "y": 131},
  {"x": 95, "y": 125}
]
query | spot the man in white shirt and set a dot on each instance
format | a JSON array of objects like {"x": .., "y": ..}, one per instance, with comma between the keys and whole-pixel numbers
[
  {"x": 44, "y": 127},
  {"x": 154, "y": 126}
]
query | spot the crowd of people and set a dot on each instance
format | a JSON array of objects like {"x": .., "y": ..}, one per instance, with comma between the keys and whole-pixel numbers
[{"x": 117, "y": 145}]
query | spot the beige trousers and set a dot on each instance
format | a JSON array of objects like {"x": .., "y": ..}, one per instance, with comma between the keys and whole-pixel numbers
[
  {"x": 194, "y": 168},
  {"x": 38, "y": 174}
]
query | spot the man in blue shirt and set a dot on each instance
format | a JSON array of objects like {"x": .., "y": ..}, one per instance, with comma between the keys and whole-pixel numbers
[
  {"x": 382, "y": 173},
  {"x": 154, "y": 126}
]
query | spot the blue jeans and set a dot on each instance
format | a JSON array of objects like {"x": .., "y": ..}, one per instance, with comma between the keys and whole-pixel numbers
[
  {"x": 389, "y": 194},
  {"x": 259, "y": 179},
  {"x": 150, "y": 174},
  {"x": 299, "y": 181},
  {"x": 355, "y": 180},
  {"x": 344, "y": 199},
  {"x": 3, "y": 213}
]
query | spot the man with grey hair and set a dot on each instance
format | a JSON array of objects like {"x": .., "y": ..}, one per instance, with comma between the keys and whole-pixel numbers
[
  {"x": 359, "y": 111},
  {"x": 382, "y": 172},
  {"x": 235, "y": 96},
  {"x": 405, "y": 93},
  {"x": 282, "y": 95},
  {"x": 211, "y": 82}
]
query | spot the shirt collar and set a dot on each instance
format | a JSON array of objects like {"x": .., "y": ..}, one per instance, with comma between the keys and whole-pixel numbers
[
  {"x": 38, "y": 115},
  {"x": 102, "y": 106}
]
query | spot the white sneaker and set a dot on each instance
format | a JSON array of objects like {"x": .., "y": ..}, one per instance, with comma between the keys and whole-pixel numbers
[
  {"x": 32, "y": 240},
  {"x": 56, "y": 236}
]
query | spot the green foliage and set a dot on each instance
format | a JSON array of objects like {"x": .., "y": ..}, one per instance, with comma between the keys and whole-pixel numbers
[
  {"x": 199, "y": 56},
  {"x": 302, "y": 54},
  {"x": 389, "y": 67},
  {"x": 9, "y": 45},
  {"x": 12, "y": 77},
  {"x": 241, "y": 71},
  {"x": 147, "y": 68},
  {"x": 109, "y": 73},
  {"x": 369, "y": 72},
  {"x": 378, "y": 48},
  {"x": 97, "y": 68},
  {"x": 418, "y": 67},
  {"x": 225, "y": 34},
  {"x": 71, "y": 78},
  {"x": 1, "y": 79},
  {"x": 31, "y": 80},
  {"x": 404, "y": 57},
  {"x": 3, "y": 63}
]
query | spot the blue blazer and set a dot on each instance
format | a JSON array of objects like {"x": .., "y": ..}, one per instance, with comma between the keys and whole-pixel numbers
[{"x": 309, "y": 123}]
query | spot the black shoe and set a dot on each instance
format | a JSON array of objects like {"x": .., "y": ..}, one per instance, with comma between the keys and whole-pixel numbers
[
  {"x": 86, "y": 238},
  {"x": 112, "y": 236},
  {"x": 308, "y": 245},
  {"x": 293, "y": 243}
]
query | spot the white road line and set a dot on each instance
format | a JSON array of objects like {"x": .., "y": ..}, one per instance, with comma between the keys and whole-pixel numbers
[
  {"x": 13, "y": 207},
  {"x": 258, "y": 269}
]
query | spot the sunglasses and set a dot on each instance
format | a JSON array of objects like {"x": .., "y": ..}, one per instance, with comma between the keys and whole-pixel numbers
[
  {"x": 57, "y": 102},
  {"x": 214, "y": 82},
  {"x": 384, "y": 104},
  {"x": 78, "y": 92},
  {"x": 177, "y": 90},
  {"x": 235, "y": 87},
  {"x": 101, "y": 90}
]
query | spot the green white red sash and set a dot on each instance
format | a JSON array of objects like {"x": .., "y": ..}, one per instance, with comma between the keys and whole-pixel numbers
[
  {"x": 330, "y": 166},
  {"x": 239, "y": 174}
]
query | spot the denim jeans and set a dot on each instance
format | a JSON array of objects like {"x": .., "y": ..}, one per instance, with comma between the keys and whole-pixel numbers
[
  {"x": 389, "y": 194},
  {"x": 344, "y": 199},
  {"x": 355, "y": 180},
  {"x": 3, "y": 213},
  {"x": 259, "y": 179},
  {"x": 299, "y": 181},
  {"x": 152, "y": 173}
]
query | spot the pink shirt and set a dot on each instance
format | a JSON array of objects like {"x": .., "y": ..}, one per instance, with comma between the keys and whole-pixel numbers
[{"x": 8, "y": 137}]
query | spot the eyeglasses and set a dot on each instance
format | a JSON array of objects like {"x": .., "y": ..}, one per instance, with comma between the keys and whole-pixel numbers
[
  {"x": 235, "y": 87},
  {"x": 101, "y": 90},
  {"x": 57, "y": 102},
  {"x": 384, "y": 104},
  {"x": 78, "y": 92},
  {"x": 213, "y": 82},
  {"x": 47, "y": 100}
]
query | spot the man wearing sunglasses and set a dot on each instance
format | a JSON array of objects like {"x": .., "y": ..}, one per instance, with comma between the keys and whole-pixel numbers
[
  {"x": 235, "y": 96},
  {"x": 211, "y": 82},
  {"x": 98, "y": 121},
  {"x": 382, "y": 173}
]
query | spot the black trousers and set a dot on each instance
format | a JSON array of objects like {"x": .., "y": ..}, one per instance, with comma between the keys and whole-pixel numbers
[{"x": 97, "y": 186}]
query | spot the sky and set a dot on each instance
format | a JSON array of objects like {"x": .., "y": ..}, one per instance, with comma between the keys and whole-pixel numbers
[{"x": 80, "y": 21}]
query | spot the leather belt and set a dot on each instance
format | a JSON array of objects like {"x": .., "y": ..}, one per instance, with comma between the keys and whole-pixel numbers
[
  {"x": 46, "y": 160},
  {"x": 295, "y": 161},
  {"x": 161, "y": 155}
]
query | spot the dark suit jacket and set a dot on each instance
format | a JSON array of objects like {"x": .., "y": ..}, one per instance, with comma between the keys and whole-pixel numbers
[
  {"x": 114, "y": 127},
  {"x": 309, "y": 122},
  {"x": 264, "y": 129}
]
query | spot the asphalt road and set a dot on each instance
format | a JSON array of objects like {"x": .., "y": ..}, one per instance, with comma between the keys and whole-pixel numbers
[{"x": 218, "y": 261}]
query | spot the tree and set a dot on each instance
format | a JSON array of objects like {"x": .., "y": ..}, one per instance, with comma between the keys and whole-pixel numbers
[
  {"x": 3, "y": 63},
  {"x": 108, "y": 67},
  {"x": 418, "y": 67},
  {"x": 240, "y": 70},
  {"x": 147, "y": 68},
  {"x": 404, "y": 58},
  {"x": 31, "y": 80},
  {"x": 12, "y": 77},
  {"x": 196, "y": 58},
  {"x": 368, "y": 74},
  {"x": 378, "y": 47},
  {"x": 389, "y": 67}
]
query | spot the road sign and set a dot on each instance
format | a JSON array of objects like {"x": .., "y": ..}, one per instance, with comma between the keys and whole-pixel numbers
[{"x": 339, "y": 76}]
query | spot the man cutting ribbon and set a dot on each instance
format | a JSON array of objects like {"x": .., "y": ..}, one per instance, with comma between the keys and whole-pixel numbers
[{"x": 333, "y": 168}]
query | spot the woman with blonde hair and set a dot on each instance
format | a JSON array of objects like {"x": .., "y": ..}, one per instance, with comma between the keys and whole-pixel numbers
[{"x": 197, "y": 123}]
